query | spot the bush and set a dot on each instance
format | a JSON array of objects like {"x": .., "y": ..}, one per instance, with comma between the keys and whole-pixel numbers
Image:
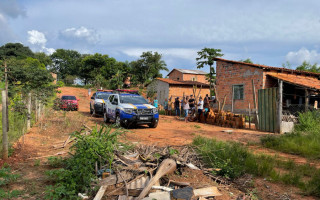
[
  {"x": 234, "y": 160},
  {"x": 303, "y": 141},
  {"x": 79, "y": 170}
]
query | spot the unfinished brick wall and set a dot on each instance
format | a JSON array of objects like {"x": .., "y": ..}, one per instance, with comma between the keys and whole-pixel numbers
[
  {"x": 198, "y": 77},
  {"x": 176, "y": 75},
  {"x": 178, "y": 91},
  {"x": 229, "y": 74}
]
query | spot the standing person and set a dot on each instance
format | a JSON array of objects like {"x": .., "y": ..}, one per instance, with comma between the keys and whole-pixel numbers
[
  {"x": 89, "y": 92},
  {"x": 177, "y": 106},
  {"x": 155, "y": 102},
  {"x": 206, "y": 107},
  {"x": 186, "y": 108},
  {"x": 200, "y": 108},
  {"x": 170, "y": 106},
  {"x": 191, "y": 102},
  {"x": 165, "y": 105}
]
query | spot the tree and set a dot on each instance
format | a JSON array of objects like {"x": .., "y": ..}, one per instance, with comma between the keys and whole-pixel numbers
[
  {"x": 66, "y": 62},
  {"x": 248, "y": 60},
  {"x": 206, "y": 57},
  {"x": 43, "y": 58},
  {"x": 91, "y": 66},
  {"x": 148, "y": 67},
  {"x": 306, "y": 66},
  {"x": 16, "y": 50}
]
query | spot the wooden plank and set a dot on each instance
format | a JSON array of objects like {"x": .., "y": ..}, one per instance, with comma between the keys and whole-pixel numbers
[
  {"x": 270, "y": 111},
  {"x": 260, "y": 108},
  {"x": 255, "y": 103},
  {"x": 263, "y": 114},
  {"x": 266, "y": 97},
  {"x": 274, "y": 108},
  {"x": 279, "y": 107}
]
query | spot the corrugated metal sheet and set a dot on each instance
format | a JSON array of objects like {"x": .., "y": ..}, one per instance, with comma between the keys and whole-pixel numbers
[
  {"x": 189, "y": 71},
  {"x": 190, "y": 83}
]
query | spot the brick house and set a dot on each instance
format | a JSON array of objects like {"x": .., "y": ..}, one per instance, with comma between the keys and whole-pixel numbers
[
  {"x": 234, "y": 80},
  {"x": 188, "y": 75},
  {"x": 166, "y": 88}
]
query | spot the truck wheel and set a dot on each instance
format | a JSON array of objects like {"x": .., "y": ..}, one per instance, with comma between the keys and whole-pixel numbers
[
  {"x": 105, "y": 117},
  {"x": 91, "y": 110},
  {"x": 153, "y": 125},
  {"x": 118, "y": 120}
]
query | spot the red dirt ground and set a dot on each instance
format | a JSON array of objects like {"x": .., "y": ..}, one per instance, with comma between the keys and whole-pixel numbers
[{"x": 31, "y": 152}]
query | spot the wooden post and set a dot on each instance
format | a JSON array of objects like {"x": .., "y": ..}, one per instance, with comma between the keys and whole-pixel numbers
[
  {"x": 29, "y": 112},
  {"x": 255, "y": 103},
  {"x": 232, "y": 99},
  {"x": 4, "y": 126},
  {"x": 306, "y": 106},
  {"x": 249, "y": 117},
  {"x": 280, "y": 107}
]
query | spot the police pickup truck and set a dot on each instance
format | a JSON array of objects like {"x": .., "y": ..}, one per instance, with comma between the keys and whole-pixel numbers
[
  {"x": 127, "y": 108},
  {"x": 97, "y": 102}
]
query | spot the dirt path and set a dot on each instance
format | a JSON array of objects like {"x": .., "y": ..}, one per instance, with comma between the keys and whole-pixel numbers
[{"x": 32, "y": 151}]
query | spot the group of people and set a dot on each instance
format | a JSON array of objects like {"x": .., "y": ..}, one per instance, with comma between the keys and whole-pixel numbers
[{"x": 188, "y": 106}]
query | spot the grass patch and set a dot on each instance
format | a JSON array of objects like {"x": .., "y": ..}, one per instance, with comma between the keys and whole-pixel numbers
[
  {"x": 6, "y": 178},
  {"x": 76, "y": 173},
  {"x": 304, "y": 141},
  {"x": 235, "y": 160}
]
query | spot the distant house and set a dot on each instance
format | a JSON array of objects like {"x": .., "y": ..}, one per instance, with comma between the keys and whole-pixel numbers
[
  {"x": 188, "y": 75},
  {"x": 180, "y": 83}
]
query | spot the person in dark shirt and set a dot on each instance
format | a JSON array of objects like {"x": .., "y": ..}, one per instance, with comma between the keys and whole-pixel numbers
[
  {"x": 177, "y": 106},
  {"x": 191, "y": 102}
]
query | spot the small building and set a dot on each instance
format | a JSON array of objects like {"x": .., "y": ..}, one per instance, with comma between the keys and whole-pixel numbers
[
  {"x": 188, "y": 75},
  {"x": 294, "y": 90},
  {"x": 166, "y": 88}
]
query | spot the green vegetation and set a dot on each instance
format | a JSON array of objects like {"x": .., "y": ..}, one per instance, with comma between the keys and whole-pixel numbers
[
  {"x": 78, "y": 171},
  {"x": 7, "y": 177},
  {"x": 235, "y": 160},
  {"x": 303, "y": 141}
]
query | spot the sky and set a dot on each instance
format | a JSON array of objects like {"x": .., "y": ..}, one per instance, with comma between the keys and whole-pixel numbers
[{"x": 269, "y": 32}]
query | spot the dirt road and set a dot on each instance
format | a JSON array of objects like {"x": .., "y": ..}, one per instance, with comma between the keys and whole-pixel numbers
[{"x": 170, "y": 131}]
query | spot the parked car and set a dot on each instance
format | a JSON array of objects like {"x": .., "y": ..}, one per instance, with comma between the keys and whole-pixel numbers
[
  {"x": 69, "y": 102},
  {"x": 127, "y": 109},
  {"x": 97, "y": 102}
]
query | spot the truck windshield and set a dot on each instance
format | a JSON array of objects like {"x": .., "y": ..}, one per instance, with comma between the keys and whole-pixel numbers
[
  {"x": 133, "y": 99},
  {"x": 102, "y": 96},
  {"x": 69, "y": 98}
]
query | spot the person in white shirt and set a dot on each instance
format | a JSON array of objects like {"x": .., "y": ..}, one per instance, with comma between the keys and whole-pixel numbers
[
  {"x": 200, "y": 108},
  {"x": 186, "y": 107}
]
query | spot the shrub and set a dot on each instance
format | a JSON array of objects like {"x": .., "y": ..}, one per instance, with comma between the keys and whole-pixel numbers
[{"x": 79, "y": 170}]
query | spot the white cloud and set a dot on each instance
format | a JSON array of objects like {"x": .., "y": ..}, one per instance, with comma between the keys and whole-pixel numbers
[
  {"x": 39, "y": 41},
  {"x": 37, "y": 37},
  {"x": 184, "y": 53},
  {"x": 90, "y": 35},
  {"x": 297, "y": 57}
]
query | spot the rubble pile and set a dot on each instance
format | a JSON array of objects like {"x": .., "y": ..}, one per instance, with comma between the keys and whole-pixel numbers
[{"x": 144, "y": 173}]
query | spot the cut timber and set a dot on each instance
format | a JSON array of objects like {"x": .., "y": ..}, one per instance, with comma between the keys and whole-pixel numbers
[
  {"x": 115, "y": 179},
  {"x": 192, "y": 166},
  {"x": 66, "y": 142},
  {"x": 100, "y": 193},
  {"x": 207, "y": 192},
  {"x": 167, "y": 166}
]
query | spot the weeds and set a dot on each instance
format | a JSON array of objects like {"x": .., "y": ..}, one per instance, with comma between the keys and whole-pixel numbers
[
  {"x": 303, "y": 141},
  {"x": 235, "y": 160},
  {"x": 6, "y": 177},
  {"x": 79, "y": 169}
]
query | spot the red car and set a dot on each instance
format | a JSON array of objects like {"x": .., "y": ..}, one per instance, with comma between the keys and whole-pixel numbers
[{"x": 69, "y": 102}]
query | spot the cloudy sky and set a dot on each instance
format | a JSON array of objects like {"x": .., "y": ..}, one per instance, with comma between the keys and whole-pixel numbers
[{"x": 268, "y": 32}]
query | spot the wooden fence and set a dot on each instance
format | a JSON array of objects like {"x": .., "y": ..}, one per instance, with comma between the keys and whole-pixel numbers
[{"x": 267, "y": 107}]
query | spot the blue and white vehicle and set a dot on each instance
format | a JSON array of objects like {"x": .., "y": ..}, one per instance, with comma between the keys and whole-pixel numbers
[
  {"x": 126, "y": 109},
  {"x": 97, "y": 102}
]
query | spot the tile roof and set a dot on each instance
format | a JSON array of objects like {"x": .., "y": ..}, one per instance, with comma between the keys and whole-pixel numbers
[
  {"x": 281, "y": 69},
  {"x": 174, "y": 82},
  {"x": 189, "y": 71},
  {"x": 303, "y": 81}
]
